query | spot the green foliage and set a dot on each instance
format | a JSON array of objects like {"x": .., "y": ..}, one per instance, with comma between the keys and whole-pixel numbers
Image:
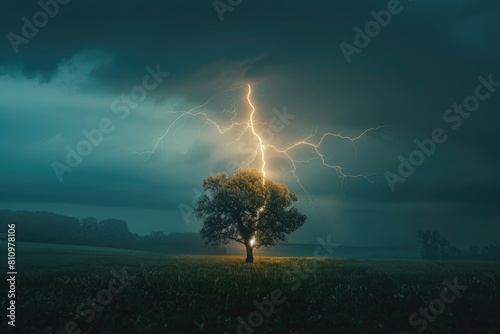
[{"x": 240, "y": 206}]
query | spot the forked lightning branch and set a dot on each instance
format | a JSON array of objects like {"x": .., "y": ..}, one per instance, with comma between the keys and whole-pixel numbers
[{"x": 262, "y": 149}]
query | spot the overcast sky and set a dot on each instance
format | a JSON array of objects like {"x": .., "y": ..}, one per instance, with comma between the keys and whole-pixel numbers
[{"x": 308, "y": 70}]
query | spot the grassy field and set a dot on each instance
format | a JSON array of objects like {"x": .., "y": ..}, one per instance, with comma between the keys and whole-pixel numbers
[{"x": 208, "y": 294}]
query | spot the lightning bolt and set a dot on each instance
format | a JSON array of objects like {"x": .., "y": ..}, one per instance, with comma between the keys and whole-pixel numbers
[
  {"x": 342, "y": 173},
  {"x": 261, "y": 144},
  {"x": 287, "y": 152}
]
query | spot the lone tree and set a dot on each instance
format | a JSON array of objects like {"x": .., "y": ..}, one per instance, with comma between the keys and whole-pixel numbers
[{"x": 241, "y": 207}]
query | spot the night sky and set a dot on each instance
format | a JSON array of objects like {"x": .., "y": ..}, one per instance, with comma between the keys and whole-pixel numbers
[{"x": 309, "y": 68}]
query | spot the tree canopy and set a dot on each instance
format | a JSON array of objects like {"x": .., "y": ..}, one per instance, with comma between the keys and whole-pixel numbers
[{"x": 246, "y": 208}]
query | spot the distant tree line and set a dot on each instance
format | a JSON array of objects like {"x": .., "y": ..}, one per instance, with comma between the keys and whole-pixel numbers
[
  {"x": 434, "y": 246},
  {"x": 54, "y": 228}
]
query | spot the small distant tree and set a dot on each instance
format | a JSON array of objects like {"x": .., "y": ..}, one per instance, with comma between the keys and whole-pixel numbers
[
  {"x": 434, "y": 246},
  {"x": 452, "y": 253},
  {"x": 241, "y": 207},
  {"x": 473, "y": 253},
  {"x": 90, "y": 231},
  {"x": 491, "y": 253},
  {"x": 113, "y": 229}
]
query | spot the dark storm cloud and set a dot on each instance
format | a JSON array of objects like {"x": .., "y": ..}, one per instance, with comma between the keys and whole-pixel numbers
[{"x": 421, "y": 57}]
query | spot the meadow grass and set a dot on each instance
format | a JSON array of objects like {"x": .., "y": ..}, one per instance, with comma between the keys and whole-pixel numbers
[{"x": 207, "y": 294}]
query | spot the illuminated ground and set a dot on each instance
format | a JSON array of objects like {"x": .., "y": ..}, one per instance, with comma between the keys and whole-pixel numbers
[{"x": 206, "y": 294}]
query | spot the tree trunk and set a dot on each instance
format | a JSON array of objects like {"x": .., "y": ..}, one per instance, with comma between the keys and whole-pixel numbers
[{"x": 249, "y": 254}]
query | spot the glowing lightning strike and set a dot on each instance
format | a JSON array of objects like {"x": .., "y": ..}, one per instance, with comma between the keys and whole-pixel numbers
[
  {"x": 261, "y": 144},
  {"x": 248, "y": 125},
  {"x": 342, "y": 173},
  {"x": 193, "y": 112}
]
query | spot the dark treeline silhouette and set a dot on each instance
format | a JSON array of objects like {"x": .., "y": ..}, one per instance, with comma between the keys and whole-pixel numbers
[
  {"x": 54, "y": 228},
  {"x": 436, "y": 247}
]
